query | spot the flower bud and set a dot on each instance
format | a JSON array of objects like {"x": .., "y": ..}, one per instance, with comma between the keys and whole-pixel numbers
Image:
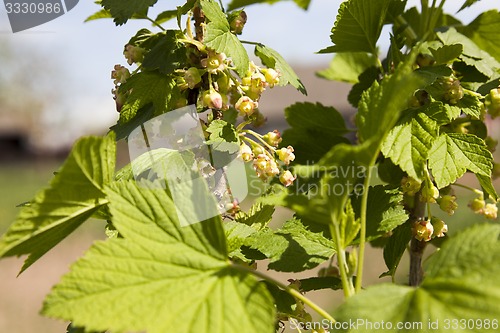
[
  {"x": 133, "y": 54},
  {"x": 120, "y": 74},
  {"x": 490, "y": 211},
  {"x": 440, "y": 228},
  {"x": 257, "y": 150},
  {"x": 213, "y": 100},
  {"x": 410, "y": 186},
  {"x": 246, "y": 106},
  {"x": 448, "y": 204},
  {"x": 287, "y": 178},
  {"x": 429, "y": 193},
  {"x": 286, "y": 155},
  {"x": 423, "y": 230},
  {"x": 237, "y": 22},
  {"x": 492, "y": 102},
  {"x": 477, "y": 205},
  {"x": 245, "y": 153},
  {"x": 192, "y": 77},
  {"x": 273, "y": 138}
]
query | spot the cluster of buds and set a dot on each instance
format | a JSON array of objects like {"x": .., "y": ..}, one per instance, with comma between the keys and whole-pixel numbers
[
  {"x": 488, "y": 210},
  {"x": 119, "y": 74},
  {"x": 427, "y": 229},
  {"x": 452, "y": 90},
  {"x": 492, "y": 102},
  {"x": 268, "y": 161}
]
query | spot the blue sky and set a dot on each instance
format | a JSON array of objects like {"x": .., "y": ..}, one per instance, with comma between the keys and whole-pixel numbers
[{"x": 83, "y": 54}]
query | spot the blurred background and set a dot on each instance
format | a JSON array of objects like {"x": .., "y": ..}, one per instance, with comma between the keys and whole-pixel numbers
[{"x": 55, "y": 86}]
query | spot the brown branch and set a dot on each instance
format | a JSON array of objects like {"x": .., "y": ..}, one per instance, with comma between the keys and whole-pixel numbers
[{"x": 416, "y": 247}]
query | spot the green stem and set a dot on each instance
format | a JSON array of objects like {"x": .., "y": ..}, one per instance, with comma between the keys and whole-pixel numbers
[
  {"x": 251, "y": 43},
  {"x": 347, "y": 286},
  {"x": 258, "y": 137},
  {"x": 293, "y": 292},
  {"x": 475, "y": 190},
  {"x": 362, "y": 231},
  {"x": 155, "y": 23}
]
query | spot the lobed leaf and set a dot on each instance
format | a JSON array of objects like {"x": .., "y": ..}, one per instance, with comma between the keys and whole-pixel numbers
[
  {"x": 409, "y": 142},
  {"x": 454, "y": 153},
  {"x": 484, "y": 32},
  {"x": 160, "y": 276},
  {"x": 358, "y": 26},
  {"x": 220, "y": 38},
  {"x": 347, "y": 67},
  {"x": 74, "y": 195},
  {"x": 293, "y": 248},
  {"x": 146, "y": 88},
  {"x": 123, "y": 10}
]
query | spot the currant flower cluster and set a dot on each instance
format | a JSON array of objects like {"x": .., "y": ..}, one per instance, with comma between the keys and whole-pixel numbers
[
  {"x": 429, "y": 228},
  {"x": 267, "y": 159},
  {"x": 209, "y": 80}
]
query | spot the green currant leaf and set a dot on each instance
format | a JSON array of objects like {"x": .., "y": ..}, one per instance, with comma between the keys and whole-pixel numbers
[
  {"x": 319, "y": 283},
  {"x": 470, "y": 105},
  {"x": 236, "y": 235},
  {"x": 358, "y": 26},
  {"x": 166, "y": 16},
  {"x": 273, "y": 59},
  {"x": 293, "y": 248},
  {"x": 122, "y": 10},
  {"x": 385, "y": 211},
  {"x": 446, "y": 53},
  {"x": 235, "y": 4},
  {"x": 74, "y": 195},
  {"x": 223, "y": 136},
  {"x": 472, "y": 55},
  {"x": 220, "y": 38},
  {"x": 365, "y": 81},
  {"x": 409, "y": 142},
  {"x": 167, "y": 55},
  {"x": 487, "y": 186},
  {"x": 166, "y": 277},
  {"x": 396, "y": 247},
  {"x": 146, "y": 88},
  {"x": 441, "y": 113},
  {"x": 484, "y": 32},
  {"x": 347, "y": 67},
  {"x": 467, "y": 4},
  {"x": 259, "y": 215},
  {"x": 464, "y": 271},
  {"x": 122, "y": 130},
  {"x": 454, "y": 153},
  {"x": 381, "y": 105},
  {"x": 102, "y": 14}
]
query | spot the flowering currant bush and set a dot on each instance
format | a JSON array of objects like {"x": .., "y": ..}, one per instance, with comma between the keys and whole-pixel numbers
[{"x": 424, "y": 113}]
